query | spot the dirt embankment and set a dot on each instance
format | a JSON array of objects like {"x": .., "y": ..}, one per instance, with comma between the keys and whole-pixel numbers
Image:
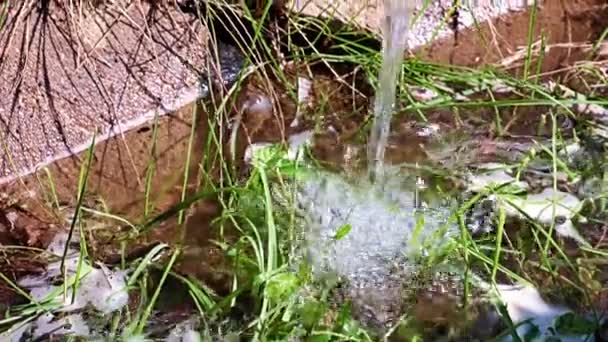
[{"x": 562, "y": 26}]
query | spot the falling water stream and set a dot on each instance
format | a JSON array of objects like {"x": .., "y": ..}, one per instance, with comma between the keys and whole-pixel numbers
[
  {"x": 395, "y": 29},
  {"x": 383, "y": 220}
]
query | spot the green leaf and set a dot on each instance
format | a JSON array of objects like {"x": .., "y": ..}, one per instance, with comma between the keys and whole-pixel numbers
[
  {"x": 311, "y": 313},
  {"x": 532, "y": 334},
  {"x": 343, "y": 231},
  {"x": 572, "y": 324},
  {"x": 344, "y": 323},
  {"x": 415, "y": 242},
  {"x": 281, "y": 286},
  {"x": 267, "y": 156},
  {"x": 319, "y": 338},
  {"x": 504, "y": 314}
]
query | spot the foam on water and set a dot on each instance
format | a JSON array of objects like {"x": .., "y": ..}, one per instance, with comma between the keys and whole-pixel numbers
[
  {"x": 101, "y": 288},
  {"x": 525, "y": 303}
]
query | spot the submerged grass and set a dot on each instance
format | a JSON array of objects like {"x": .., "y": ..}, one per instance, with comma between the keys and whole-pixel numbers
[{"x": 275, "y": 300}]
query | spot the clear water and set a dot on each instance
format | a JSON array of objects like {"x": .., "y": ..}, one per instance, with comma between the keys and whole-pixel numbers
[{"x": 395, "y": 30}]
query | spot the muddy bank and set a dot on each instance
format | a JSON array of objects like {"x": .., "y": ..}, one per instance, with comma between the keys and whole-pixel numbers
[{"x": 569, "y": 23}]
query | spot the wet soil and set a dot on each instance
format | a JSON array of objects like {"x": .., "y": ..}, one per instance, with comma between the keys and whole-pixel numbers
[{"x": 568, "y": 23}]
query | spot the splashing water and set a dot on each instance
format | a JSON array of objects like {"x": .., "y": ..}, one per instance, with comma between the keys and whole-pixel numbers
[
  {"x": 368, "y": 235},
  {"x": 395, "y": 29}
]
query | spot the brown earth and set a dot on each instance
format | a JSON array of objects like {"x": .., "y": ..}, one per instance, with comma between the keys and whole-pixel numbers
[{"x": 568, "y": 23}]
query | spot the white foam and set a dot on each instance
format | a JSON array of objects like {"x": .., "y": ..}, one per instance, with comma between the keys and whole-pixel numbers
[
  {"x": 184, "y": 332},
  {"x": 103, "y": 289},
  {"x": 547, "y": 206},
  {"x": 492, "y": 174},
  {"x": 525, "y": 303},
  {"x": 73, "y": 325}
]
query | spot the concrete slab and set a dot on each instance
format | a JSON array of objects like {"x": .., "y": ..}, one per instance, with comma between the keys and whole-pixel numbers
[
  {"x": 116, "y": 66},
  {"x": 69, "y": 72},
  {"x": 430, "y": 20}
]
